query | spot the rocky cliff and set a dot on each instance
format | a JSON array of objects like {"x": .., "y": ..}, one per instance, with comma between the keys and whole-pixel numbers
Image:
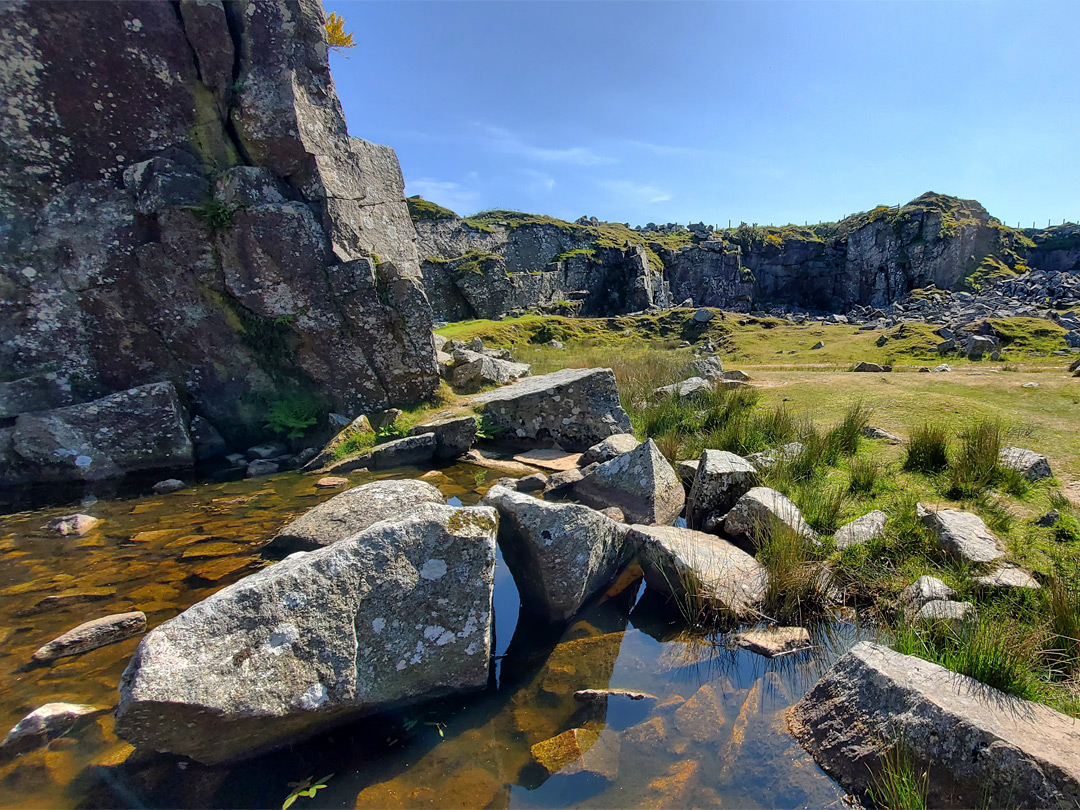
[
  {"x": 180, "y": 201},
  {"x": 868, "y": 259}
]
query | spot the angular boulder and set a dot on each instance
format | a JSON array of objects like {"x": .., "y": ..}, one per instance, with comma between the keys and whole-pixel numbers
[
  {"x": 575, "y": 408},
  {"x": 404, "y": 452},
  {"x": 865, "y": 366},
  {"x": 609, "y": 448},
  {"x": 754, "y": 511},
  {"x": 453, "y": 437},
  {"x": 641, "y": 483},
  {"x": 132, "y": 431},
  {"x": 702, "y": 572},
  {"x": 962, "y": 535},
  {"x": 560, "y": 554},
  {"x": 1033, "y": 466},
  {"x": 360, "y": 426},
  {"x": 473, "y": 371},
  {"x": 397, "y": 614},
  {"x": 351, "y": 512},
  {"x": 862, "y": 530},
  {"x": 923, "y": 590},
  {"x": 683, "y": 390},
  {"x": 720, "y": 480},
  {"x": 91, "y": 635},
  {"x": 983, "y": 747},
  {"x": 710, "y": 368}
]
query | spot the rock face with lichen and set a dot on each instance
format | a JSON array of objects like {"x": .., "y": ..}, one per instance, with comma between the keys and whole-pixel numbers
[
  {"x": 396, "y": 614},
  {"x": 180, "y": 201}
]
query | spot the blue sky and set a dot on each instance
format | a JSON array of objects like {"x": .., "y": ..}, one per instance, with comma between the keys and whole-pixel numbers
[{"x": 768, "y": 112}]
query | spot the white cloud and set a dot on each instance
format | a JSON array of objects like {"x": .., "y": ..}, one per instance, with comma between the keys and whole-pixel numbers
[
  {"x": 448, "y": 194},
  {"x": 667, "y": 150},
  {"x": 636, "y": 192},
  {"x": 538, "y": 181},
  {"x": 506, "y": 141}
]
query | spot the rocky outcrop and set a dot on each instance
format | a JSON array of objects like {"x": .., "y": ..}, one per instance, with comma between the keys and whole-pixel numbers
[
  {"x": 135, "y": 431},
  {"x": 560, "y": 554},
  {"x": 397, "y": 614},
  {"x": 575, "y": 408},
  {"x": 981, "y": 746},
  {"x": 180, "y": 200},
  {"x": 349, "y": 513}
]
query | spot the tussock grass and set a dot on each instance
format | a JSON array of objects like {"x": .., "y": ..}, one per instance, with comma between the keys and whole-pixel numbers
[
  {"x": 865, "y": 473},
  {"x": 976, "y": 465},
  {"x": 798, "y": 581},
  {"x": 927, "y": 449},
  {"x": 847, "y": 435},
  {"x": 900, "y": 784},
  {"x": 823, "y": 507},
  {"x": 1063, "y": 646}
]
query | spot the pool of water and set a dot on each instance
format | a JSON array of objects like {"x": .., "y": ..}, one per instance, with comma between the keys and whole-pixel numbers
[{"x": 713, "y": 732}]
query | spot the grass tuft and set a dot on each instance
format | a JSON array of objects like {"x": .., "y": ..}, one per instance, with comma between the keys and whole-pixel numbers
[
  {"x": 927, "y": 449},
  {"x": 899, "y": 785},
  {"x": 798, "y": 582}
]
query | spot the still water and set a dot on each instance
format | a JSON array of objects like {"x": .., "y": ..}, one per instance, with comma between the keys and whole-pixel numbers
[{"x": 712, "y": 732}]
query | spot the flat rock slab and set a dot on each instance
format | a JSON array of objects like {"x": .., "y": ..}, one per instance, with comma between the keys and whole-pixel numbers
[
  {"x": 93, "y": 634},
  {"x": 983, "y": 745},
  {"x": 560, "y": 554},
  {"x": 350, "y": 512},
  {"x": 774, "y": 641},
  {"x": 698, "y": 569},
  {"x": 550, "y": 459},
  {"x": 1008, "y": 575},
  {"x": 492, "y": 462},
  {"x": 862, "y": 530},
  {"x": 398, "y": 614},
  {"x": 331, "y": 482},
  {"x": 962, "y": 535},
  {"x": 404, "y": 452},
  {"x": 575, "y": 408}
]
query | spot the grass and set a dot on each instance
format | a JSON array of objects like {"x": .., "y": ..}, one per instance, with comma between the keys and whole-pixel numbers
[
  {"x": 927, "y": 449},
  {"x": 865, "y": 472},
  {"x": 798, "y": 582},
  {"x": 976, "y": 465},
  {"x": 899, "y": 785}
]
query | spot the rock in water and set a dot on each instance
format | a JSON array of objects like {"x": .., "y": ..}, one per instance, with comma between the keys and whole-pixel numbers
[
  {"x": 773, "y": 641},
  {"x": 402, "y": 452},
  {"x": 77, "y": 524},
  {"x": 1033, "y": 466},
  {"x": 93, "y": 634},
  {"x": 720, "y": 480},
  {"x": 982, "y": 744},
  {"x": 44, "y": 724},
  {"x": 962, "y": 535},
  {"x": 704, "y": 573},
  {"x": 397, "y": 614},
  {"x": 350, "y": 512},
  {"x": 131, "y": 431},
  {"x": 575, "y": 408},
  {"x": 453, "y": 437},
  {"x": 641, "y": 483},
  {"x": 757, "y": 508},
  {"x": 559, "y": 554}
]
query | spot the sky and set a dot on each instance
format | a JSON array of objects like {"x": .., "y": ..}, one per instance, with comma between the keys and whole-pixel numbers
[{"x": 766, "y": 112}]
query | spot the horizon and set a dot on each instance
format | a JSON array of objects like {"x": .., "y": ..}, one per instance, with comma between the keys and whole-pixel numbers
[{"x": 772, "y": 113}]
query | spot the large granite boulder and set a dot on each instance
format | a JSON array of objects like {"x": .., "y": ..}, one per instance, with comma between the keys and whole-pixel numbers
[
  {"x": 560, "y": 554},
  {"x": 982, "y": 747},
  {"x": 720, "y": 480},
  {"x": 641, "y": 483},
  {"x": 575, "y": 407},
  {"x": 473, "y": 371},
  {"x": 758, "y": 508},
  {"x": 394, "y": 615},
  {"x": 962, "y": 535},
  {"x": 702, "y": 572},
  {"x": 351, "y": 512},
  {"x": 181, "y": 200},
  {"x": 711, "y": 368},
  {"x": 132, "y": 431}
]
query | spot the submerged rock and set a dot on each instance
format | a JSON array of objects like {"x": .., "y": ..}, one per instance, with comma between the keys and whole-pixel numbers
[
  {"x": 350, "y": 512},
  {"x": 559, "y": 554},
  {"x": 585, "y": 752},
  {"x": 962, "y": 535},
  {"x": 168, "y": 485},
  {"x": 721, "y": 478},
  {"x": 396, "y": 614},
  {"x": 77, "y": 524},
  {"x": 702, "y": 572},
  {"x": 641, "y": 483},
  {"x": 773, "y": 641},
  {"x": 982, "y": 746},
  {"x": 44, "y": 724},
  {"x": 575, "y": 408},
  {"x": 92, "y": 634}
]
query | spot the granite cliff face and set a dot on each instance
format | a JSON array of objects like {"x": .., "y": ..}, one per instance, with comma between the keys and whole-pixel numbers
[
  {"x": 869, "y": 259},
  {"x": 180, "y": 201}
]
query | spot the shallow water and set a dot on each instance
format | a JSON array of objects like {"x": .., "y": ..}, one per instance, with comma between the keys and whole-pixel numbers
[{"x": 714, "y": 736}]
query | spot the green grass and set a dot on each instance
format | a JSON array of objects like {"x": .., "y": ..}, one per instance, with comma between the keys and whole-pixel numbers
[
  {"x": 421, "y": 209},
  {"x": 900, "y": 785},
  {"x": 927, "y": 449},
  {"x": 797, "y": 588}
]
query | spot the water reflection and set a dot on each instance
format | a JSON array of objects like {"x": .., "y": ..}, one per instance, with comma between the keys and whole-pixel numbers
[{"x": 711, "y": 733}]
